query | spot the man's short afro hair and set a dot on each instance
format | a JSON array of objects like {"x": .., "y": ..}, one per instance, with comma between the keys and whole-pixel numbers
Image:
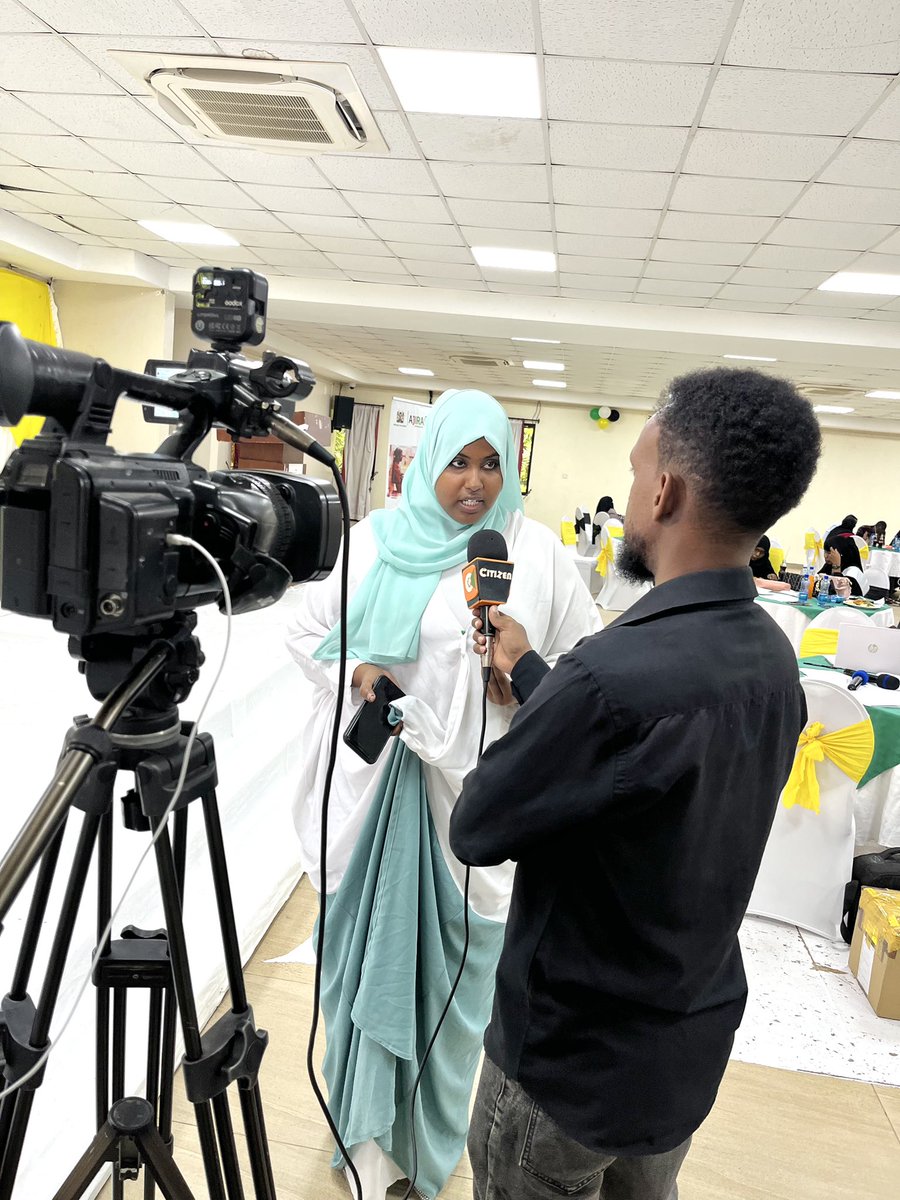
[{"x": 748, "y": 442}]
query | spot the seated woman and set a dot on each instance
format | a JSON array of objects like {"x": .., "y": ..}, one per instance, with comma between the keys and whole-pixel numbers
[
  {"x": 842, "y": 558},
  {"x": 880, "y": 534},
  {"x": 760, "y": 563},
  {"x": 867, "y": 533}
]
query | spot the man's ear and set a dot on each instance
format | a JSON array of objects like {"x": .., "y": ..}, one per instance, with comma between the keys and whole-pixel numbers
[{"x": 670, "y": 496}]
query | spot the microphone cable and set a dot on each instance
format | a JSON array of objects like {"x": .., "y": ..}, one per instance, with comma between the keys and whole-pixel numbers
[
  {"x": 462, "y": 963},
  {"x": 323, "y": 842}
]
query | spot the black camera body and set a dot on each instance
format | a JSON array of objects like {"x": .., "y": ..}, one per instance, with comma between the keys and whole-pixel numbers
[{"x": 86, "y": 534}]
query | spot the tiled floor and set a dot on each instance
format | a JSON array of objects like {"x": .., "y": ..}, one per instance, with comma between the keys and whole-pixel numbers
[{"x": 773, "y": 1135}]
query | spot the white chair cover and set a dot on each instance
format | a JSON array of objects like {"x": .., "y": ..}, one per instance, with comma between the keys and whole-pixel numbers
[
  {"x": 863, "y": 547},
  {"x": 808, "y": 858},
  {"x": 615, "y": 593},
  {"x": 815, "y": 558},
  {"x": 875, "y": 577},
  {"x": 834, "y": 618},
  {"x": 583, "y": 524}
]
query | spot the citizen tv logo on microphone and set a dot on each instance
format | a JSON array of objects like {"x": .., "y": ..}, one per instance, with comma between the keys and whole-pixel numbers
[{"x": 487, "y": 581}]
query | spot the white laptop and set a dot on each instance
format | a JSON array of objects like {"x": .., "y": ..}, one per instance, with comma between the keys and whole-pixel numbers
[{"x": 869, "y": 648}]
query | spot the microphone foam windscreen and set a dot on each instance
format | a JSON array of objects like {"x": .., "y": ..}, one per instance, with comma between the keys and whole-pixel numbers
[{"x": 487, "y": 543}]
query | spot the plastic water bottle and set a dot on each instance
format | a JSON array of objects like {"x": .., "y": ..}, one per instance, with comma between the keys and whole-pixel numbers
[
  {"x": 825, "y": 590},
  {"x": 805, "y": 581}
]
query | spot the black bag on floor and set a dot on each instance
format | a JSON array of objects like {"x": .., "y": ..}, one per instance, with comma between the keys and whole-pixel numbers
[{"x": 881, "y": 870}]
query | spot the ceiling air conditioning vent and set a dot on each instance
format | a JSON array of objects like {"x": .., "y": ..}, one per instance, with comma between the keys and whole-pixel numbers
[
  {"x": 479, "y": 360},
  {"x": 293, "y": 107}
]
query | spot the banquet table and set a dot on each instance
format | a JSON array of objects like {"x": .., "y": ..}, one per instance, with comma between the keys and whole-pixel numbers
[
  {"x": 254, "y": 714},
  {"x": 885, "y": 560},
  {"x": 794, "y": 619},
  {"x": 877, "y": 801}
]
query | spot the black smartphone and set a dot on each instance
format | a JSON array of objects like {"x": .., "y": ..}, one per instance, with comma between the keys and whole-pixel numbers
[{"x": 368, "y": 732}]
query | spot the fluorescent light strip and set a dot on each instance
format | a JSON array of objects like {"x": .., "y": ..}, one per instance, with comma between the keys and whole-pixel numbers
[
  {"x": 870, "y": 283},
  {"x": 509, "y": 259},
  {"x": 543, "y": 341},
  {"x": 464, "y": 83},
  {"x": 832, "y": 408},
  {"x": 414, "y": 371},
  {"x": 882, "y": 395},
  {"x": 187, "y": 233},
  {"x": 554, "y": 383},
  {"x": 750, "y": 357},
  {"x": 535, "y": 364}
]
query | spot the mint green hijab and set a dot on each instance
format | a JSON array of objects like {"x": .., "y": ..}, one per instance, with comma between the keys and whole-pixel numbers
[{"x": 417, "y": 541}]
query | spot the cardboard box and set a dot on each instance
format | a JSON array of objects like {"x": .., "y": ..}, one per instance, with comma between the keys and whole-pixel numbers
[{"x": 874, "y": 957}]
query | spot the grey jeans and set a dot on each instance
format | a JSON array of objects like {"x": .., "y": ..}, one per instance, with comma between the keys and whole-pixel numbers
[{"x": 519, "y": 1153}]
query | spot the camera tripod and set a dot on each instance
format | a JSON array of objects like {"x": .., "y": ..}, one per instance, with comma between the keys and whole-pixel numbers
[{"x": 146, "y": 675}]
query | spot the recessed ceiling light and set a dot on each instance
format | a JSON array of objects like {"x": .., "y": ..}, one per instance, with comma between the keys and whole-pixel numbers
[
  {"x": 862, "y": 281},
  {"x": 189, "y": 233},
  {"x": 882, "y": 395},
  {"x": 750, "y": 357},
  {"x": 414, "y": 371},
  {"x": 464, "y": 83},
  {"x": 832, "y": 408},
  {"x": 557, "y": 383},
  {"x": 543, "y": 341},
  {"x": 514, "y": 260},
  {"x": 535, "y": 364}
]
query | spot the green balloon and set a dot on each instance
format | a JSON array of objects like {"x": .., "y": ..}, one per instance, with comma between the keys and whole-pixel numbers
[{"x": 595, "y": 414}]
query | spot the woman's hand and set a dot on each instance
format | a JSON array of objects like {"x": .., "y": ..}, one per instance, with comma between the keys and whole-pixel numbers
[
  {"x": 364, "y": 677},
  {"x": 510, "y": 640},
  {"x": 499, "y": 688}
]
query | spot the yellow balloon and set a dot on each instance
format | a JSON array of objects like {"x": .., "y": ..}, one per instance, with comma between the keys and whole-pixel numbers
[{"x": 603, "y": 422}]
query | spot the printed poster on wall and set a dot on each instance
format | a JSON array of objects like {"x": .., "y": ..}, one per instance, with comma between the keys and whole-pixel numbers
[{"x": 407, "y": 423}]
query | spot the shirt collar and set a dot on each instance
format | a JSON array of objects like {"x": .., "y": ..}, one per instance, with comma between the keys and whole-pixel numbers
[{"x": 697, "y": 590}]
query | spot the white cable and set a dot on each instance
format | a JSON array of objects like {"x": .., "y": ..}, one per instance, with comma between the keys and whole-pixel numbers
[{"x": 173, "y": 539}]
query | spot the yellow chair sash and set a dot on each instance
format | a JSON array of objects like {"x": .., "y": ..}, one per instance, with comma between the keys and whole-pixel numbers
[
  {"x": 812, "y": 541},
  {"x": 568, "y": 534},
  {"x": 864, "y": 552},
  {"x": 606, "y": 558},
  {"x": 776, "y": 558},
  {"x": 818, "y": 641},
  {"x": 850, "y": 749}
]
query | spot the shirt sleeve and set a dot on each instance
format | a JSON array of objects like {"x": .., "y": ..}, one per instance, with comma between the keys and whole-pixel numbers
[
  {"x": 555, "y": 768},
  {"x": 527, "y": 674}
]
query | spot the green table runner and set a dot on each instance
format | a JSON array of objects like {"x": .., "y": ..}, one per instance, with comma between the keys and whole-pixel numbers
[{"x": 812, "y": 609}]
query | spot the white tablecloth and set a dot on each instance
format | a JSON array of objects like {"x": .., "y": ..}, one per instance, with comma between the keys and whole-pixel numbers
[
  {"x": 254, "y": 714},
  {"x": 794, "y": 622},
  {"x": 877, "y": 804},
  {"x": 885, "y": 560}
]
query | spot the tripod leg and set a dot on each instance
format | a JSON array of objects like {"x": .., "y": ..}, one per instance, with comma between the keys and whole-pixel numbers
[
  {"x": 227, "y": 1147},
  {"x": 190, "y": 1026},
  {"x": 154, "y": 1068},
  {"x": 120, "y": 1015},
  {"x": 254, "y": 1124},
  {"x": 104, "y": 911}
]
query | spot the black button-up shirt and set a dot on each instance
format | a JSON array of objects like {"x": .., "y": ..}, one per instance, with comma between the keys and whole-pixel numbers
[{"x": 635, "y": 789}]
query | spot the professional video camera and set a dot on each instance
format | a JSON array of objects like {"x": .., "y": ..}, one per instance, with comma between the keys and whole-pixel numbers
[{"x": 85, "y": 531}]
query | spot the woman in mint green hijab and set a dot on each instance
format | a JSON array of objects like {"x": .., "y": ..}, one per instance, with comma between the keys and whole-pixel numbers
[
  {"x": 444, "y": 501},
  {"x": 394, "y": 930}
]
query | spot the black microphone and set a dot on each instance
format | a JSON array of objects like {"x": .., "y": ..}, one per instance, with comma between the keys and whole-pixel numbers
[
  {"x": 487, "y": 578},
  {"x": 890, "y": 683}
]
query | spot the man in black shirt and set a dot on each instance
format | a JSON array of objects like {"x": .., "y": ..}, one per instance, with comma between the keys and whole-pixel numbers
[{"x": 635, "y": 790}]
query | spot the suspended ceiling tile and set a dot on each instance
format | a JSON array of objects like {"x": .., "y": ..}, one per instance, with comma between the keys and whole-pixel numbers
[
  {"x": 595, "y": 282},
  {"x": 238, "y": 256},
  {"x": 14, "y": 202},
  {"x": 368, "y": 262},
  {"x": 97, "y": 49},
  {"x": 818, "y": 314},
  {"x": 704, "y": 272},
  {"x": 212, "y": 193},
  {"x": 451, "y": 284},
  {"x": 483, "y": 181},
  {"x": 866, "y": 163},
  {"x": 238, "y": 218},
  {"x": 32, "y": 179},
  {"x": 833, "y": 235},
  {"x": 835, "y": 202},
  {"x": 626, "y": 93},
  {"x": 113, "y": 229},
  {"x": 678, "y": 287},
  {"x": 714, "y": 227},
  {"x": 264, "y": 242},
  {"x": 663, "y": 300},
  {"x": 377, "y": 175},
  {"x": 14, "y": 19},
  {"x": 324, "y": 202},
  {"x": 719, "y": 253},
  {"x": 434, "y": 253},
  {"x": 293, "y": 258},
  {"x": 69, "y": 205},
  {"x": 17, "y": 117},
  {"x": 363, "y": 62},
  {"x": 146, "y": 210},
  {"x": 516, "y": 239},
  {"x": 885, "y": 121},
  {"x": 381, "y": 277},
  {"x": 338, "y": 245},
  {"x": 746, "y": 306},
  {"x": 324, "y": 21},
  {"x": 538, "y": 278},
  {"x": 44, "y": 62},
  {"x": 309, "y": 223},
  {"x": 111, "y": 184},
  {"x": 757, "y": 155},
  {"x": 177, "y": 161},
  {"x": 591, "y": 265},
  {"x": 750, "y": 197},
  {"x": 63, "y": 151},
  {"x": 103, "y": 116},
  {"x": 772, "y": 277},
  {"x": 418, "y": 266},
  {"x": 462, "y": 25},
  {"x": 504, "y": 214},
  {"x": 731, "y": 291},
  {"x": 607, "y": 222},
  {"x": 839, "y": 300},
  {"x": 422, "y": 232},
  {"x": 114, "y": 17},
  {"x": 855, "y": 35},
  {"x": 478, "y": 139},
  {"x": 891, "y": 245},
  {"x": 259, "y": 166},
  {"x": 385, "y": 206},
  {"x": 616, "y": 147},
  {"x": 800, "y": 258},
  {"x": 615, "y": 189},
  {"x": 689, "y": 31},
  {"x": 603, "y": 247},
  {"x": 789, "y": 101}
]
